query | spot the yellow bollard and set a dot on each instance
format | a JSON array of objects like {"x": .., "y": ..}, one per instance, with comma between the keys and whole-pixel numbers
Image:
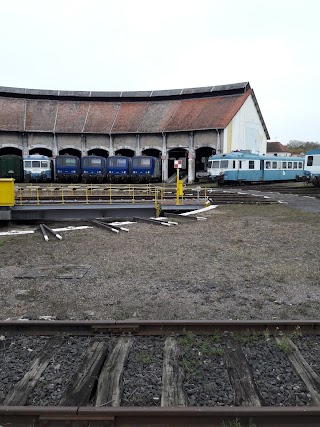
[
  {"x": 133, "y": 201},
  {"x": 110, "y": 194},
  {"x": 62, "y": 196},
  {"x": 37, "y": 195},
  {"x": 87, "y": 198}
]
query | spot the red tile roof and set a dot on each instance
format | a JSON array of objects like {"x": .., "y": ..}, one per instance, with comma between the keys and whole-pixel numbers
[
  {"x": 132, "y": 112},
  {"x": 276, "y": 147}
]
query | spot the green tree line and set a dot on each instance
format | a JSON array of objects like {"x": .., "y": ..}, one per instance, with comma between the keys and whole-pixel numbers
[{"x": 302, "y": 146}]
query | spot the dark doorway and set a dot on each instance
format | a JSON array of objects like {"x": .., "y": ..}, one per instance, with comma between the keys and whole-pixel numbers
[
  {"x": 71, "y": 152},
  {"x": 98, "y": 152},
  {"x": 10, "y": 150},
  {"x": 124, "y": 152},
  {"x": 152, "y": 152},
  {"x": 41, "y": 152},
  {"x": 178, "y": 154}
]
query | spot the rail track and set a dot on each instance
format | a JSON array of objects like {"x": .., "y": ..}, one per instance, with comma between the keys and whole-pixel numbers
[{"x": 160, "y": 373}]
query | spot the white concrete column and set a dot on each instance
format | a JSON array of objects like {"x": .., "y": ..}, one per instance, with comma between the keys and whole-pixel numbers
[
  {"x": 25, "y": 144},
  {"x": 191, "y": 160},
  {"x": 111, "y": 146},
  {"x": 164, "y": 158},
  {"x": 138, "y": 148},
  {"x": 55, "y": 150},
  {"x": 83, "y": 141}
]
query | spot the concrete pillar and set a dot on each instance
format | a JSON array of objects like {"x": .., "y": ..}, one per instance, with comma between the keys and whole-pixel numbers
[
  {"x": 84, "y": 151},
  {"x": 55, "y": 150},
  {"x": 191, "y": 160},
  {"x": 111, "y": 146},
  {"x": 25, "y": 145},
  {"x": 164, "y": 158},
  {"x": 219, "y": 147},
  {"x": 138, "y": 147}
]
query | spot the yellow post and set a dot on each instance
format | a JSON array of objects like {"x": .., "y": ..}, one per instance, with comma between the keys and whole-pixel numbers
[
  {"x": 6, "y": 192},
  {"x": 133, "y": 201},
  {"x": 110, "y": 193},
  {"x": 37, "y": 193},
  {"x": 87, "y": 198},
  {"x": 62, "y": 196},
  {"x": 177, "y": 190}
]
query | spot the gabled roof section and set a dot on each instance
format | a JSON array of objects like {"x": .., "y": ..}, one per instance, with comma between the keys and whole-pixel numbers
[
  {"x": 176, "y": 110},
  {"x": 276, "y": 147}
]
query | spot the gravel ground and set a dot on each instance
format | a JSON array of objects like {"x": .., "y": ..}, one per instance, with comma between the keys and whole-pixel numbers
[{"x": 244, "y": 262}]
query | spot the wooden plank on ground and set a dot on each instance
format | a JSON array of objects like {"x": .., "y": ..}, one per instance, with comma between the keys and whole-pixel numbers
[
  {"x": 80, "y": 387},
  {"x": 110, "y": 385},
  {"x": 20, "y": 392},
  {"x": 246, "y": 392},
  {"x": 172, "y": 377}
]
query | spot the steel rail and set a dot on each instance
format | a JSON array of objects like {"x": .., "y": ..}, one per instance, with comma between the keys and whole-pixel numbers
[
  {"x": 32, "y": 416},
  {"x": 156, "y": 327}
]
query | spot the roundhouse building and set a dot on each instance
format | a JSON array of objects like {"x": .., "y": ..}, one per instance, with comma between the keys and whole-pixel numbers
[{"x": 172, "y": 124}]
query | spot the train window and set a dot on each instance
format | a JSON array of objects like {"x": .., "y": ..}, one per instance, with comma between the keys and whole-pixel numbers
[
  {"x": 44, "y": 164},
  {"x": 274, "y": 165},
  {"x": 27, "y": 164},
  {"x": 251, "y": 164},
  {"x": 95, "y": 161},
  {"x": 234, "y": 164},
  {"x": 284, "y": 165},
  {"x": 70, "y": 161},
  {"x": 224, "y": 164},
  {"x": 309, "y": 160},
  {"x": 289, "y": 165},
  {"x": 36, "y": 164},
  {"x": 240, "y": 164},
  {"x": 300, "y": 165},
  {"x": 145, "y": 162},
  {"x": 121, "y": 162},
  {"x": 268, "y": 165},
  {"x": 215, "y": 164},
  {"x": 295, "y": 165}
]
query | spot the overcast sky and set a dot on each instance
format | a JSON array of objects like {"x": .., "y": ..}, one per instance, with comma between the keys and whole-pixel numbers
[{"x": 170, "y": 44}]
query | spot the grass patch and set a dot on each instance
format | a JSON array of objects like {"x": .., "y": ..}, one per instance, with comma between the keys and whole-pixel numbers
[
  {"x": 284, "y": 345},
  {"x": 144, "y": 358}
]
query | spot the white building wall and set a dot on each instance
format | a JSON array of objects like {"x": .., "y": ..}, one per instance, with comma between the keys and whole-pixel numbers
[{"x": 245, "y": 131}]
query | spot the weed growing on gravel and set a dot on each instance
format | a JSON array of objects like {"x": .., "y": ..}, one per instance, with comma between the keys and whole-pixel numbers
[
  {"x": 187, "y": 339},
  {"x": 143, "y": 358},
  {"x": 189, "y": 365},
  {"x": 237, "y": 423},
  {"x": 284, "y": 345},
  {"x": 1, "y": 242}
]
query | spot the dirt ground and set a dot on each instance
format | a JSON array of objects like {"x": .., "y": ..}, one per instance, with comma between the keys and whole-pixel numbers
[{"x": 244, "y": 262}]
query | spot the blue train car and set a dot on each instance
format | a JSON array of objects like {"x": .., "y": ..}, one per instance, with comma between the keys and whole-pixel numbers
[
  {"x": 118, "y": 168},
  {"x": 93, "y": 168},
  {"x": 67, "y": 168},
  {"x": 146, "y": 169},
  {"x": 244, "y": 166},
  {"x": 312, "y": 167},
  {"x": 37, "y": 168}
]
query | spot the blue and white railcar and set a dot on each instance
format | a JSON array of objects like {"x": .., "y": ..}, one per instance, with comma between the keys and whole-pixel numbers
[
  {"x": 118, "y": 168},
  {"x": 93, "y": 168},
  {"x": 67, "y": 168},
  {"x": 146, "y": 169},
  {"x": 244, "y": 166},
  {"x": 37, "y": 168},
  {"x": 312, "y": 167}
]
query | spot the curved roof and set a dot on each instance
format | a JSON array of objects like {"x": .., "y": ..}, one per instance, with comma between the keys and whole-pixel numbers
[{"x": 29, "y": 110}]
